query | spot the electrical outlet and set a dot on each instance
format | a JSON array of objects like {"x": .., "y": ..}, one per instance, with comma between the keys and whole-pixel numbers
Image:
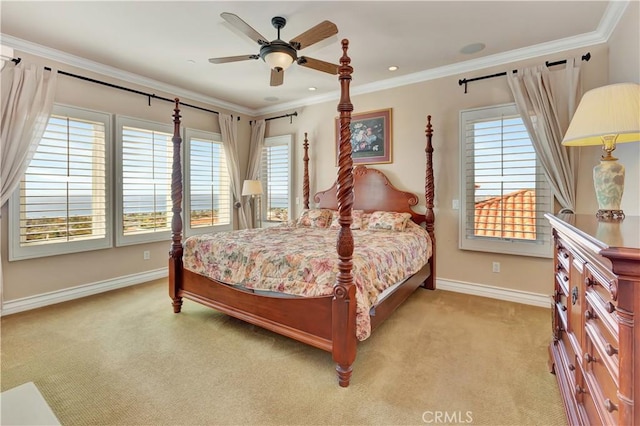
[
  {"x": 297, "y": 201},
  {"x": 496, "y": 266},
  {"x": 146, "y": 255},
  {"x": 455, "y": 204}
]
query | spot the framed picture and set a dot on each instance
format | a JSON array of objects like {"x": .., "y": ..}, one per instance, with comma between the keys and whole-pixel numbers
[{"x": 370, "y": 137}]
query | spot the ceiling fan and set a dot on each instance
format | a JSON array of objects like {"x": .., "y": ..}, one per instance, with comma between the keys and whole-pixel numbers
[{"x": 279, "y": 54}]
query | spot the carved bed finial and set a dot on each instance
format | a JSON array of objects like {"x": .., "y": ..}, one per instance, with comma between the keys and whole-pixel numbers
[{"x": 305, "y": 180}]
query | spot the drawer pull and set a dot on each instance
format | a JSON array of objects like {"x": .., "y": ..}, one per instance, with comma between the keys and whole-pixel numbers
[
  {"x": 579, "y": 390},
  {"x": 589, "y": 315},
  {"x": 610, "y": 406},
  {"x": 572, "y": 367},
  {"x": 611, "y": 351},
  {"x": 565, "y": 278},
  {"x": 588, "y": 282},
  {"x": 589, "y": 358},
  {"x": 564, "y": 308},
  {"x": 565, "y": 255},
  {"x": 610, "y": 307}
]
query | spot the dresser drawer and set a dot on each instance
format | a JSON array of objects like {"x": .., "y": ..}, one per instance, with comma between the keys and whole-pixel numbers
[
  {"x": 569, "y": 358},
  {"x": 601, "y": 386},
  {"x": 602, "y": 314},
  {"x": 562, "y": 254},
  {"x": 604, "y": 352},
  {"x": 602, "y": 282},
  {"x": 562, "y": 279}
]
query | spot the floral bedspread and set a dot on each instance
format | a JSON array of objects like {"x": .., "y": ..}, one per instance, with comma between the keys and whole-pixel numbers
[{"x": 302, "y": 261}]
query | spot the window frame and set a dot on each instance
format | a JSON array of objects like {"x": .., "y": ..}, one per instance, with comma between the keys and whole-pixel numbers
[
  {"x": 270, "y": 142},
  {"x": 16, "y": 250},
  {"x": 188, "y": 230},
  {"x": 542, "y": 246},
  {"x": 126, "y": 240}
]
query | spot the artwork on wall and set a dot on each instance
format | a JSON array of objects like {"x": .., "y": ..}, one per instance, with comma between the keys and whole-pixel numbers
[{"x": 370, "y": 137}]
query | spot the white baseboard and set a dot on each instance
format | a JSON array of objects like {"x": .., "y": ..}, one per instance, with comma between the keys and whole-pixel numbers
[
  {"x": 524, "y": 297},
  {"x": 45, "y": 299},
  {"x": 41, "y": 300}
]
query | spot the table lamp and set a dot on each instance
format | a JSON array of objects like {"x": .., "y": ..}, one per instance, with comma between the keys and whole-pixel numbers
[
  {"x": 607, "y": 116},
  {"x": 253, "y": 188}
]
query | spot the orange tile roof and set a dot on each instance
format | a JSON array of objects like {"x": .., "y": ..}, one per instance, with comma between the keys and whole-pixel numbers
[{"x": 510, "y": 216}]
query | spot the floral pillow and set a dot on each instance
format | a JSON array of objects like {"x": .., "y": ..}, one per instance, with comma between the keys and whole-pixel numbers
[
  {"x": 393, "y": 221},
  {"x": 315, "y": 218},
  {"x": 356, "y": 219}
]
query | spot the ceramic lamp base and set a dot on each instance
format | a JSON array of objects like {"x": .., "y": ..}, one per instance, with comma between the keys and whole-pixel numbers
[{"x": 608, "y": 180}]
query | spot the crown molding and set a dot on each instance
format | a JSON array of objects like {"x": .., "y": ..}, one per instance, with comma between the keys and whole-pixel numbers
[
  {"x": 614, "y": 12},
  {"x": 78, "y": 62}
]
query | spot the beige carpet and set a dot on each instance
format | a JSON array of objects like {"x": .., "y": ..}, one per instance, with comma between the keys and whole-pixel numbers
[{"x": 123, "y": 357}]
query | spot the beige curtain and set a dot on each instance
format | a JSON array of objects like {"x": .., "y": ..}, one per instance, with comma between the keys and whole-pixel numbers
[
  {"x": 27, "y": 94},
  {"x": 27, "y": 100},
  {"x": 229, "y": 130},
  {"x": 255, "y": 153},
  {"x": 551, "y": 97}
]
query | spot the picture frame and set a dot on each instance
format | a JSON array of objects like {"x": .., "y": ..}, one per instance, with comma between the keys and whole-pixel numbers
[{"x": 371, "y": 140}]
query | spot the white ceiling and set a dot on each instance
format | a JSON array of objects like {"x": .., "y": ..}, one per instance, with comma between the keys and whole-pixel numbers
[{"x": 168, "y": 43}]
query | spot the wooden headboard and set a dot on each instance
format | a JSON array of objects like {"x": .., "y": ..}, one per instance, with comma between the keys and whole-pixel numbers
[{"x": 372, "y": 191}]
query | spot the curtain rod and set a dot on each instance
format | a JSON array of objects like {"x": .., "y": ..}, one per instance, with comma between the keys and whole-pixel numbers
[
  {"x": 293, "y": 114},
  {"x": 464, "y": 81},
  {"x": 115, "y": 86}
]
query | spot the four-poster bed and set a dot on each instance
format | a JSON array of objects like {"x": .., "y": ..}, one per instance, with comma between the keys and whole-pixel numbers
[{"x": 355, "y": 303}]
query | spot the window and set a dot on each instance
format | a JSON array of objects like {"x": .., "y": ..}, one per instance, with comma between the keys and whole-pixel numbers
[
  {"x": 275, "y": 174},
  {"x": 505, "y": 191},
  {"x": 145, "y": 157},
  {"x": 208, "y": 189},
  {"x": 62, "y": 204}
]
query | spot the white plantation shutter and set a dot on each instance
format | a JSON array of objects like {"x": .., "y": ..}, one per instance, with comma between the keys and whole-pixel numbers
[
  {"x": 144, "y": 170},
  {"x": 275, "y": 174},
  {"x": 62, "y": 204},
  {"x": 505, "y": 191},
  {"x": 208, "y": 187}
]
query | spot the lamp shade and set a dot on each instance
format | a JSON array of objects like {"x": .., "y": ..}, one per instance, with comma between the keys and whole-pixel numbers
[
  {"x": 612, "y": 110},
  {"x": 252, "y": 187}
]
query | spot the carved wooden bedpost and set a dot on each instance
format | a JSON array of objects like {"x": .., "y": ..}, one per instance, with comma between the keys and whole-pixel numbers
[
  {"x": 344, "y": 294},
  {"x": 175, "y": 254},
  {"x": 305, "y": 181},
  {"x": 430, "y": 217}
]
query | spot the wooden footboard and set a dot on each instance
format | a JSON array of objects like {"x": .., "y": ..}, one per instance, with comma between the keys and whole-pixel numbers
[{"x": 306, "y": 319}]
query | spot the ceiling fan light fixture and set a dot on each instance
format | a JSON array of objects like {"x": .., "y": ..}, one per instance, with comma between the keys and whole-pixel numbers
[
  {"x": 280, "y": 60},
  {"x": 278, "y": 55}
]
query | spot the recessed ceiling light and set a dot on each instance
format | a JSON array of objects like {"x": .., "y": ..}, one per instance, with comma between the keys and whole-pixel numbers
[
  {"x": 270, "y": 99},
  {"x": 472, "y": 48},
  {"x": 393, "y": 68},
  {"x": 312, "y": 89}
]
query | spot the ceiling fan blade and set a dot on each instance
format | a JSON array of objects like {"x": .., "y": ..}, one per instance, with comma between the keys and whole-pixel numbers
[
  {"x": 232, "y": 59},
  {"x": 277, "y": 76},
  {"x": 317, "y": 64},
  {"x": 313, "y": 35},
  {"x": 245, "y": 28}
]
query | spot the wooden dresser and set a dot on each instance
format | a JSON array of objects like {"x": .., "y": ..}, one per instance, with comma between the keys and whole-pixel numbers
[{"x": 595, "y": 352}]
